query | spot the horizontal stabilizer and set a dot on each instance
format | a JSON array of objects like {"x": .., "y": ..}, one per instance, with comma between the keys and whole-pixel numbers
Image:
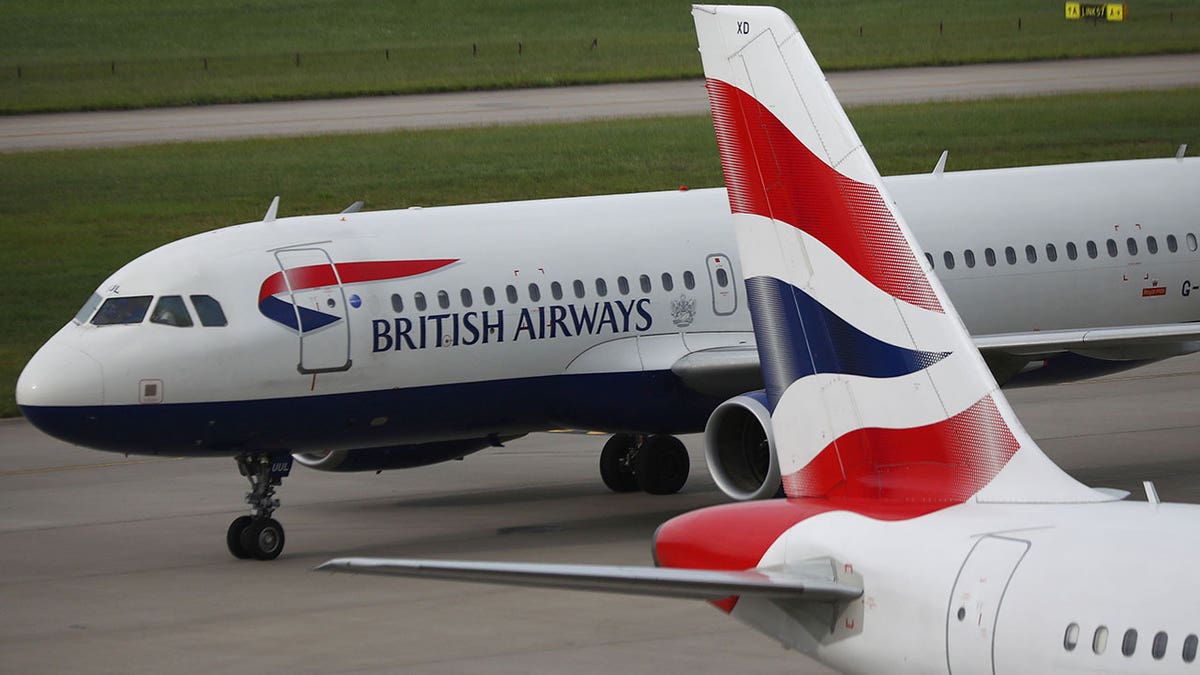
[{"x": 709, "y": 585}]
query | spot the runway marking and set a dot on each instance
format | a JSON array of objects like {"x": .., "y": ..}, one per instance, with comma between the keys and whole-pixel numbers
[{"x": 103, "y": 465}]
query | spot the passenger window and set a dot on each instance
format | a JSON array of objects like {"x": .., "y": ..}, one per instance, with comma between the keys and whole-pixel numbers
[
  {"x": 667, "y": 282},
  {"x": 1010, "y": 254},
  {"x": 948, "y": 260},
  {"x": 556, "y": 290},
  {"x": 689, "y": 280},
  {"x": 419, "y": 301},
  {"x": 1100, "y": 640},
  {"x": 1111, "y": 245},
  {"x": 1071, "y": 638},
  {"x": 623, "y": 285},
  {"x": 1159, "y": 648},
  {"x": 170, "y": 311},
  {"x": 443, "y": 299},
  {"x": 489, "y": 296},
  {"x": 397, "y": 304},
  {"x": 969, "y": 258},
  {"x": 1131, "y": 245},
  {"x": 990, "y": 256},
  {"x": 1189, "y": 648},
  {"x": 1051, "y": 253},
  {"x": 578, "y": 288},
  {"x": 1091, "y": 249},
  {"x": 535, "y": 293},
  {"x": 209, "y": 310},
  {"x": 465, "y": 298},
  {"x": 122, "y": 310},
  {"x": 1072, "y": 252},
  {"x": 644, "y": 282},
  {"x": 1030, "y": 253},
  {"x": 722, "y": 277},
  {"x": 1152, "y": 245},
  {"x": 601, "y": 287},
  {"x": 1191, "y": 242},
  {"x": 1129, "y": 642},
  {"x": 510, "y": 292},
  {"x": 929, "y": 257},
  {"x": 1172, "y": 243},
  {"x": 88, "y": 308}
]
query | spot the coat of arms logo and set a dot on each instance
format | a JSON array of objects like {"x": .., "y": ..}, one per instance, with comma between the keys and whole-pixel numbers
[{"x": 683, "y": 311}]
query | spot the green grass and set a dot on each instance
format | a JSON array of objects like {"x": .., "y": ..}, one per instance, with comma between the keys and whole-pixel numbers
[
  {"x": 134, "y": 53},
  {"x": 70, "y": 218}
]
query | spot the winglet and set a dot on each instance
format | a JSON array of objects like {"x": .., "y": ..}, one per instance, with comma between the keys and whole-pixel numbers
[
  {"x": 875, "y": 387},
  {"x": 272, "y": 210},
  {"x": 941, "y": 164}
]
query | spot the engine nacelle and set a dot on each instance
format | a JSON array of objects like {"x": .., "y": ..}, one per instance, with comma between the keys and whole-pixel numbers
[
  {"x": 740, "y": 448},
  {"x": 395, "y": 456}
]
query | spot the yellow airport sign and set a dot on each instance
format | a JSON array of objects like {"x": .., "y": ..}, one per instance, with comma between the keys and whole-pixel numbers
[{"x": 1109, "y": 11}]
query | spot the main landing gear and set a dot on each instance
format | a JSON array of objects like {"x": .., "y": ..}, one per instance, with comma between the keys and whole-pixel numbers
[
  {"x": 259, "y": 535},
  {"x": 655, "y": 464}
]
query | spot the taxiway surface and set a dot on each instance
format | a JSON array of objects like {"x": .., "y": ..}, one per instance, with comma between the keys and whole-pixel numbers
[
  {"x": 119, "y": 565},
  {"x": 557, "y": 104}
]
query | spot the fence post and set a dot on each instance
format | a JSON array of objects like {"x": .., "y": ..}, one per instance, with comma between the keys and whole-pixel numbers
[
  {"x": 387, "y": 55},
  {"x": 520, "y": 48},
  {"x": 18, "y": 72},
  {"x": 297, "y": 59},
  {"x": 474, "y": 49},
  {"x": 113, "y": 67},
  {"x": 206, "y": 63},
  {"x": 1018, "y": 23},
  {"x": 941, "y": 27}
]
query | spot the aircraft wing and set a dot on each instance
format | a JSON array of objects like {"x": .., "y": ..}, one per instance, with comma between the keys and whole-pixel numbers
[
  {"x": 734, "y": 369},
  {"x": 712, "y": 585},
  {"x": 1047, "y": 342}
]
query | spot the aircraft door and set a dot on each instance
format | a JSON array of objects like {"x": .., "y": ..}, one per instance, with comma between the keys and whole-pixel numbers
[
  {"x": 975, "y": 603},
  {"x": 320, "y": 305},
  {"x": 724, "y": 290}
]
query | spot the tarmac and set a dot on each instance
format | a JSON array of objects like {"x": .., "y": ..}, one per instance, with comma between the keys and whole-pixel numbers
[
  {"x": 563, "y": 104},
  {"x": 115, "y": 564}
]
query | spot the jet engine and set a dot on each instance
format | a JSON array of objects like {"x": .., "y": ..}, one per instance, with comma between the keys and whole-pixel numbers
[
  {"x": 740, "y": 448},
  {"x": 396, "y": 456}
]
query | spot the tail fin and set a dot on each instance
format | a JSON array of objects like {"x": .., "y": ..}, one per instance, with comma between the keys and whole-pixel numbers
[{"x": 876, "y": 388}]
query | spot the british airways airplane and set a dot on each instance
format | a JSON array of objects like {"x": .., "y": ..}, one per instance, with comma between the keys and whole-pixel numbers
[
  {"x": 365, "y": 341},
  {"x": 924, "y": 530}
]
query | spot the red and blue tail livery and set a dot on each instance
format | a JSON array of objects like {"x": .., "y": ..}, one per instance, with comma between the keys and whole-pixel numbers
[{"x": 875, "y": 388}]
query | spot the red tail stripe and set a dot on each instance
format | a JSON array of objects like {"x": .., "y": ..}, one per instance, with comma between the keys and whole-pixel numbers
[
  {"x": 944, "y": 462},
  {"x": 770, "y": 173}
]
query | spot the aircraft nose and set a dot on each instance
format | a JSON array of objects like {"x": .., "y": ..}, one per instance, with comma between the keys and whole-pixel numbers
[{"x": 60, "y": 375}]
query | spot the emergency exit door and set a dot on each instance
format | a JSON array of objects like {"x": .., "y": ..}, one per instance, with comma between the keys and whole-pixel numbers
[{"x": 320, "y": 305}]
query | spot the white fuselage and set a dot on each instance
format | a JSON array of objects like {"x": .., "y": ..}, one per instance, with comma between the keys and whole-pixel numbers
[
  {"x": 1034, "y": 583},
  {"x": 566, "y": 312}
]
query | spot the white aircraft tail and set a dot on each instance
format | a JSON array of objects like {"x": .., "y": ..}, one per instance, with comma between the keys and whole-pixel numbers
[{"x": 877, "y": 391}]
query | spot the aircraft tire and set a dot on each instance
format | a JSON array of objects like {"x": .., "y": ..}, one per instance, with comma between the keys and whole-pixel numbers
[
  {"x": 662, "y": 465},
  {"x": 263, "y": 539},
  {"x": 616, "y": 469},
  {"x": 233, "y": 538}
]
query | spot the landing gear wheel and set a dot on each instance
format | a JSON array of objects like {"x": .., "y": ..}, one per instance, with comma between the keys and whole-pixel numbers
[
  {"x": 661, "y": 465},
  {"x": 259, "y": 535},
  {"x": 233, "y": 538},
  {"x": 263, "y": 539},
  {"x": 616, "y": 463}
]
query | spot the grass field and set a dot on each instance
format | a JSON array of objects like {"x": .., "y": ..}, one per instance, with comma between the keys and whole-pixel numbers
[
  {"x": 70, "y": 218},
  {"x": 57, "y": 55}
]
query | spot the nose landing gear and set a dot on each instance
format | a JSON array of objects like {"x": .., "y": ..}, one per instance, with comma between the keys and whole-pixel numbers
[{"x": 259, "y": 535}]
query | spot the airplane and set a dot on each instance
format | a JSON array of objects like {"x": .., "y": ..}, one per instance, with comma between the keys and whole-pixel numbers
[
  {"x": 365, "y": 341},
  {"x": 924, "y": 531}
]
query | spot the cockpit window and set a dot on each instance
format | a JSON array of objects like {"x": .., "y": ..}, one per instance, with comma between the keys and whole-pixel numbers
[
  {"x": 88, "y": 308},
  {"x": 122, "y": 310},
  {"x": 209, "y": 310},
  {"x": 170, "y": 311}
]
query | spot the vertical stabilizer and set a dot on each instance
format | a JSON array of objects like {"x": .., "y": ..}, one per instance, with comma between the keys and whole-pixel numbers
[{"x": 876, "y": 388}]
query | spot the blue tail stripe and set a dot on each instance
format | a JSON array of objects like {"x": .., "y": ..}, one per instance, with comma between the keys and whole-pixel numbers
[{"x": 804, "y": 337}]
